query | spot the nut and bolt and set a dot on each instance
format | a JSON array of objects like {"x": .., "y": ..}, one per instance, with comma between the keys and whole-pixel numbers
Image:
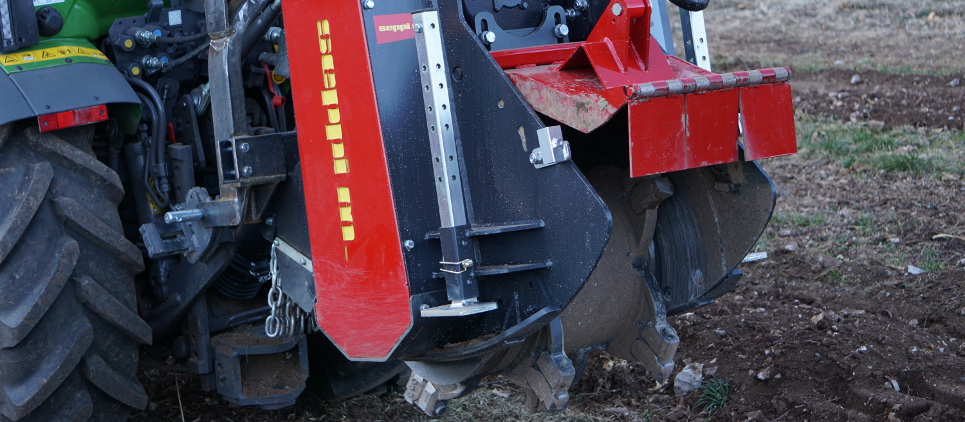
[
  {"x": 247, "y": 171},
  {"x": 368, "y": 4},
  {"x": 581, "y": 5},
  {"x": 561, "y": 30},
  {"x": 617, "y": 9},
  {"x": 487, "y": 37},
  {"x": 244, "y": 147},
  {"x": 536, "y": 157},
  {"x": 409, "y": 244}
]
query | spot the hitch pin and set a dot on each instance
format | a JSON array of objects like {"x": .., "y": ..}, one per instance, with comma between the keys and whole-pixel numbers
[{"x": 172, "y": 217}]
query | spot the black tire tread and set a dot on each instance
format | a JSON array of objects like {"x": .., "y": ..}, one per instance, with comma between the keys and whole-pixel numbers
[{"x": 69, "y": 329}]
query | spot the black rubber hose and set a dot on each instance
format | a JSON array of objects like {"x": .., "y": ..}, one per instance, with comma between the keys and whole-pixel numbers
[
  {"x": 162, "y": 123},
  {"x": 183, "y": 59},
  {"x": 155, "y": 132},
  {"x": 270, "y": 109},
  {"x": 691, "y": 5},
  {"x": 259, "y": 27},
  {"x": 181, "y": 40}
]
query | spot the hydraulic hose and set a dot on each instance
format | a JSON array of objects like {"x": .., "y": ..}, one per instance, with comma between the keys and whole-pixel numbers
[
  {"x": 158, "y": 142},
  {"x": 181, "y": 40},
  {"x": 259, "y": 26},
  {"x": 155, "y": 133},
  {"x": 183, "y": 59},
  {"x": 691, "y": 5}
]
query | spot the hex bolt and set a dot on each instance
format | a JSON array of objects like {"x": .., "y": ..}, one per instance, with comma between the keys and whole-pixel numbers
[
  {"x": 302, "y": 261},
  {"x": 409, "y": 244},
  {"x": 417, "y": 27},
  {"x": 247, "y": 171},
  {"x": 581, "y": 5},
  {"x": 244, "y": 147},
  {"x": 536, "y": 158},
  {"x": 561, "y": 30},
  {"x": 487, "y": 37},
  {"x": 368, "y": 4},
  {"x": 617, "y": 9}
]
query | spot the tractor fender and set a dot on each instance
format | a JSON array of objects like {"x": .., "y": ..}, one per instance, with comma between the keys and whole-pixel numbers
[{"x": 61, "y": 88}]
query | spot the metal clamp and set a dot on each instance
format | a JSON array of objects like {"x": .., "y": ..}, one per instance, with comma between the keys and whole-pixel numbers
[
  {"x": 552, "y": 148},
  {"x": 465, "y": 264}
]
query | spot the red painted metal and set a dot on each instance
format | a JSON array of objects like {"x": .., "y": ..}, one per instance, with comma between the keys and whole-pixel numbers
[
  {"x": 768, "y": 121},
  {"x": 680, "y": 116},
  {"x": 620, "y": 48},
  {"x": 532, "y": 56},
  {"x": 360, "y": 278}
]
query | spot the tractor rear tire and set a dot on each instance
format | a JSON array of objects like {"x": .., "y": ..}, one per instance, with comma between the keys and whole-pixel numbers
[{"x": 69, "y": 328}]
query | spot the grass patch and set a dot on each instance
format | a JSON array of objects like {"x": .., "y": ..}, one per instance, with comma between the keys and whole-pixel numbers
[
  {"x": 800, "y": 220},
  {"x": 714, "y": 394},
  {"x": 904, "y": 150}
]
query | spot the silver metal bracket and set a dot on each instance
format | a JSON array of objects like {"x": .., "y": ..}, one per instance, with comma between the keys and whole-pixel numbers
[
  {"x": 552, "y": 148},
  {"x": 695, "y": 38},
  {"x": 452, "y": 192},
  {"x": 459, "y": 308}
]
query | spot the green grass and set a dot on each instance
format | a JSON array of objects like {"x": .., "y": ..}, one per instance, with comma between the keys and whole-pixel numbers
[
  {"x": 714, "y": 394},
  {"x": 905, "y": 150},
  {"x": 800, "y": 220}
]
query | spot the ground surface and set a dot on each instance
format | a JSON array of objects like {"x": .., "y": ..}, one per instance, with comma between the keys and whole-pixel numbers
[{"x": 859, "y": 311}]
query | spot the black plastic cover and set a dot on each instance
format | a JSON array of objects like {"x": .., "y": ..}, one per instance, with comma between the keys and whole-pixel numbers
[{"x": 18, "y": 25}]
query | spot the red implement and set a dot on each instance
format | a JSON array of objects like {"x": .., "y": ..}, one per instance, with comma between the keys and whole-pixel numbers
[{"x": 680, "y": 116}]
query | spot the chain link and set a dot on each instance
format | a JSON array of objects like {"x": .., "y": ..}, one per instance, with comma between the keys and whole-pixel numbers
[{"x": 286, "y": 318}]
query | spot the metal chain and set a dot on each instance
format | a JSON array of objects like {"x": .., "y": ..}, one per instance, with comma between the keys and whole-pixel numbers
[{"x": 286, "y": 318}]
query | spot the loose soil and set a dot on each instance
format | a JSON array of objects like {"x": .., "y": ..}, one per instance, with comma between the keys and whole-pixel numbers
[{"x": 858, "y": 313}]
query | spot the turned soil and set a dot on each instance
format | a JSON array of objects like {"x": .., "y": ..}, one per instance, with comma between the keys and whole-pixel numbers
[{"x": 858, "y": 313}]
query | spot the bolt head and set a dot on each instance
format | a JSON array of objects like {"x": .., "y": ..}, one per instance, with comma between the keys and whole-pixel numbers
[
  {"x": 247, "y": 171},
  {"x": 617, "y": 9},
  {"x": 535, "y": 158},
  {"x": 580, "y": 5},
  {"x": 244, "y": 147},
  {"x": 488, "y": 37},
  {"x": 561, "y": 30},
  {"x": 409, "y": 244},
  {"x": 368, "y": 4}
]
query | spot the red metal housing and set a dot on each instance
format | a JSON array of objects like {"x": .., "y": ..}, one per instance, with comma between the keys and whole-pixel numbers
[
  {"x": 360, "y": 277},
  {"x": 687, "y": 118}
]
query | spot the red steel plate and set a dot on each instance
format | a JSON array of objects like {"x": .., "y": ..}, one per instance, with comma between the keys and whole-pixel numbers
[{"x": 360, "y": 277}]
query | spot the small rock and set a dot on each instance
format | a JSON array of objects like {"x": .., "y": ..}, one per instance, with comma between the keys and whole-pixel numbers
[
  {"x": 836, "y": 63},
  {"x": 688, "y": 379},
  {"x": 765, "y": 374},
  {"x": 876, "y": 124},
  {"x": 791, "y": 247},
  {"x": 913, "y": 322},
  {"x": 622, "y": 411},
  {"x": 894, "y": 240},
  {"x": 817, "y": 318},
  {"x": 955, "y": 82},
  {"x": 785, "y": 233},
  {"x": 861, "y": 349},
  {"x": 948, "y": 177},
  {"x": 751, "y": 416},
  {"x": 856, "y": 79},
  {"x": 913, "y": 270}
]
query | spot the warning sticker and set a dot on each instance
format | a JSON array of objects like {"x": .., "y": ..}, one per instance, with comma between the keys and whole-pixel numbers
[{"x": 51, "y": 53}]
